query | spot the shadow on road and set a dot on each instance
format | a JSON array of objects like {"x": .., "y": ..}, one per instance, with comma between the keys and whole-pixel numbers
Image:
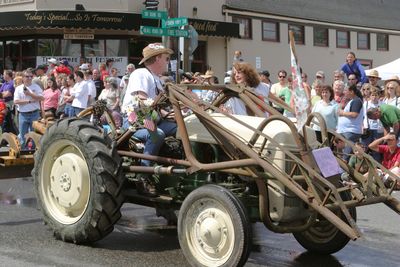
[{"x": 308, "y": 259}]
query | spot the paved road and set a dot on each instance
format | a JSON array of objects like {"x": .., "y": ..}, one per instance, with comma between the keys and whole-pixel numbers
[{"x": 141, "y": 239}]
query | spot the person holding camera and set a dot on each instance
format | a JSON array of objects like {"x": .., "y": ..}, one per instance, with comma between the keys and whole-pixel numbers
[{"x": 27, "y": 99}]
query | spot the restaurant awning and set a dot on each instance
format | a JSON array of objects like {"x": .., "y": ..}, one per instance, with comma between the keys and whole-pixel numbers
[
  {"x": 69, "y": 19},
  {"x": 50, "y": 19},
  {"x": 215, "y": 28}
]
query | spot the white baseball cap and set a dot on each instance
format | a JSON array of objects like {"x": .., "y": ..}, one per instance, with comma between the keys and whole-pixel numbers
[
  {"x": 52, "y": 61},
  {"x": 84, "y": 66}
]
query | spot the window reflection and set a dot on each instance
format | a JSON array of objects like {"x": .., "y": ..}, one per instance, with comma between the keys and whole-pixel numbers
[
  {"x": 49, "y": 47},
  {"x": 117, "y": 48},
  {"x": 92, "y": 48}
]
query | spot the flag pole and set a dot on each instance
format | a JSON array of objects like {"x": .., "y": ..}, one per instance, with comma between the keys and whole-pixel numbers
[
  {"x": 292, "y": 47},
  {"x": 298, "y": 93}
]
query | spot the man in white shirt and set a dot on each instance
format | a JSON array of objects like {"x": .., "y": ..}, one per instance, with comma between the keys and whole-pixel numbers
[
  {"x": 145, "y": 83},
  {"x": 80, "y": 94},
  {"x": 91, "y": 87},
  {"x": 129, "y": 69},
  {"x": 27, "y": 97}
]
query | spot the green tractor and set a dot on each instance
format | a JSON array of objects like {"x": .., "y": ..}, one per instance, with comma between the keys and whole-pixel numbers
[{"x": 219, "y": 174}]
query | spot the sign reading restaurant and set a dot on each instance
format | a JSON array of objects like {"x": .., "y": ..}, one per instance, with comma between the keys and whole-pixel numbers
[{"x": 11, "y": 2}]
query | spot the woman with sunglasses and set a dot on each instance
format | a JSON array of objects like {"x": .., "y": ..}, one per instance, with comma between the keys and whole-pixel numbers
[{"x": 391, "y": 97}]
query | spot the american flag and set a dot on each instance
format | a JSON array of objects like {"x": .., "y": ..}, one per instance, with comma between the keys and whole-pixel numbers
[
  {"x": 300, "y": 98},
  {"x": 132, "y": 118},
  {"x": 149, "y": 124}
]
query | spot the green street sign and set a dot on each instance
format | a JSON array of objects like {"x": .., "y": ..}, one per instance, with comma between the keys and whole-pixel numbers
[
  {"x": 177, "y": 33},
  {"x": 174, "y": 22},
  {"x": 148, "y": 30},
  {"x": 153, "y": 14}
]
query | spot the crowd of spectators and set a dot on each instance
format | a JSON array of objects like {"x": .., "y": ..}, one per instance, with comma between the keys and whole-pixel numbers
[{"x": 360, "y": 107}]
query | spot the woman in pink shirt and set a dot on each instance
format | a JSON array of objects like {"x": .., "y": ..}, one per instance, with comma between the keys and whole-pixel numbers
[{"x": 51, "y": 96}]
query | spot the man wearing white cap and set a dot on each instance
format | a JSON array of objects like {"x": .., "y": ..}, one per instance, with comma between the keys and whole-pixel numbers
[
  {"x": 146, "y": 84},
  {"x": 52, "y": 65},
  {"x": 129, "y": 69}
]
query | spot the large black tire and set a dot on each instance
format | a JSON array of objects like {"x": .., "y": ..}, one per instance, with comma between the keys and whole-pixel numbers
[
  {"x": 78, "y": 181},
  {"x": 213, "y": 228},
  {"x": 323, "y": 237}
]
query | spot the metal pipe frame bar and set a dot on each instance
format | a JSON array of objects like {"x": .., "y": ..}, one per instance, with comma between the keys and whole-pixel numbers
[{"x": 176, "y": 95}]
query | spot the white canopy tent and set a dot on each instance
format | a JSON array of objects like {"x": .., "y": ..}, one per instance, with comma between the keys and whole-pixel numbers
[{"x": 387, "y": 70}]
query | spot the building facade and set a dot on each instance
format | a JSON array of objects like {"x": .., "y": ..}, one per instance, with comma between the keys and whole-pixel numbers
[
  {"x": 325, "y": 31},
  {"x": 32, "y": 31}
]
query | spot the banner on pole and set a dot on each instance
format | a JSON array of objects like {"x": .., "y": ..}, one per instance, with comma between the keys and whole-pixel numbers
[{"x": 299, "y": 94}]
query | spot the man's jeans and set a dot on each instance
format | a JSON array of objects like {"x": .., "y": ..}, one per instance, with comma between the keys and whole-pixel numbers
[
  {"x": 75, "y": 111},
  {"x": 25, "y": 124},
  {"x": 152, "y": 144}
]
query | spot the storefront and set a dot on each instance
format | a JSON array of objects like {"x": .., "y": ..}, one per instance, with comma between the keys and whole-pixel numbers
[{"x": 30, "y": 37}]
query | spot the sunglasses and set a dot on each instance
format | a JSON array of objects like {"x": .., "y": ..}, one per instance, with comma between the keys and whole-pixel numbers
[
  {"x": 282, "y": 76},
  {"x": 28, "y": 76}
]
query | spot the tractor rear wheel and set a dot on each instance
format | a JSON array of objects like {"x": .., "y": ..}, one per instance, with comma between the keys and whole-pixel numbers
[{"x": 78, "y": 181}]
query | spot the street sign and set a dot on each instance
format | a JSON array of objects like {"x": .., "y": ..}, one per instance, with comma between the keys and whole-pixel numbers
[
  {"x": 152, "y": 14},
  {"x": 148, "y": 30},
  {"x": 174, "y": 22},
  {"x": 177, "y": 33}
]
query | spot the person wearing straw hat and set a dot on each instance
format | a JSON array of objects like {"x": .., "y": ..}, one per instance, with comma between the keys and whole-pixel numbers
[
  {"x": 145, "y": 83},
  {"x": 373, "y": 78}
]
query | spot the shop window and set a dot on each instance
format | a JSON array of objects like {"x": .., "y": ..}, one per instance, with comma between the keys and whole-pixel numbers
[
  {"x": 270, "y": 31},
  {"x": 28, "y": 53},
  {"x": 94, "y": 48},
  {"x": 20, "y": 54},
  {"x": 70, "y": 48},
  {"x": 116, "y": 48},
  {"x": 244, "y": 26},
  {"x": 49, "y": 47},
  {"x": 321, "y": 36},
  {"x": 298, "y": 31},
  {"x": 199, "y": 58},
  {"x": 382, "y": 42},
  {"x": 363, "y": 40},
  {"x": 366, "y": 63},
  {"x": 342, "y": 39}
]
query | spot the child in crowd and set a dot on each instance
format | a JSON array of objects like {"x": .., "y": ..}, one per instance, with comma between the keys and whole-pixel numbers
[{"x": 356, "y": 161}]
